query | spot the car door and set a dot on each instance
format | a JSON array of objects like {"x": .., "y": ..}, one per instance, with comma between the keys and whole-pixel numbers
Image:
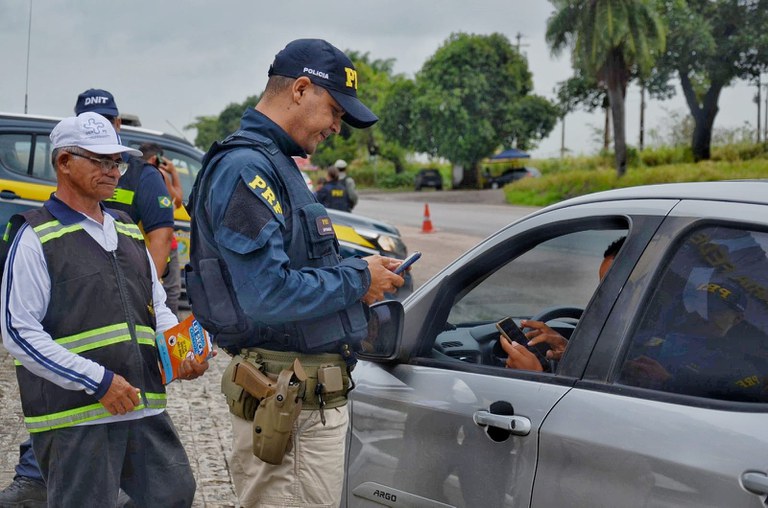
[
  {"x": 673, "y": 406},
  {"x": 446, "y": 424}
]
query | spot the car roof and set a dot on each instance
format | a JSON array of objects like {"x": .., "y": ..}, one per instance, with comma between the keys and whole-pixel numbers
[
  {"x": 43, "y": 120},
  {"x": 741, "y": 191}
]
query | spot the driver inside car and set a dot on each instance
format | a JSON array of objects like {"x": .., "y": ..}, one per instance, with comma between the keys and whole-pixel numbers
[{"x": 520, "y": 357}]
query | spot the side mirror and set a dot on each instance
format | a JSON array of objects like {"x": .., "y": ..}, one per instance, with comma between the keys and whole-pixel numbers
[{"x": 385, "y": 329}]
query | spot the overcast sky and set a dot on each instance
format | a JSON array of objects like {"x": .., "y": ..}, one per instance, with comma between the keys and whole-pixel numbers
[{"x": 169, "y": 61}]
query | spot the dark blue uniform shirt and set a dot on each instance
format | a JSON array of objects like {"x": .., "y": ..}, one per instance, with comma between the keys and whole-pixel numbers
[{"x": 249, "y": 211}]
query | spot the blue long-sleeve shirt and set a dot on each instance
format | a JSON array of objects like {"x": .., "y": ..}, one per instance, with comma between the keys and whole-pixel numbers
[{"x": 248, "y": 208}]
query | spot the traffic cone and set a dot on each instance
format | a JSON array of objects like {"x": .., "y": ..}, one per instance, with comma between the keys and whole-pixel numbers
[{"x": 426, "y": 226}]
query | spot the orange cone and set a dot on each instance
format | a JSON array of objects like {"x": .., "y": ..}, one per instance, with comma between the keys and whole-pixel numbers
[{"x": 426, "y": 226}]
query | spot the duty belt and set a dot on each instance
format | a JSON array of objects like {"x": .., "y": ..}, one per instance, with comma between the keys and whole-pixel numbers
[{"x": 315, "y": 397}]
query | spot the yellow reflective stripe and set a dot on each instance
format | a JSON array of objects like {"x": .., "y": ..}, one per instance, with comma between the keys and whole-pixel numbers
[
  {"x": 83, "y": 414},
  {"x": 54, "y": 229},
  {"x": 130, "y": 230},
  {"x": 124, "y": 196},
  {"x": 85, "y": 342},
  {"x": 7, "y": 232},
  {"x": 112, "y": 334}
]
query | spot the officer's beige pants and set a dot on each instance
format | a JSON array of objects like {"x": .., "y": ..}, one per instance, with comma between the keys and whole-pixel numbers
[{"x": 312, "y": 473}]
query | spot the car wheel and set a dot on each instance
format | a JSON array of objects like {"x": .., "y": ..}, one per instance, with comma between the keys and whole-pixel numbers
[
  {"x": 418, "y": 188},
  {"x": 439, "y": 187}
]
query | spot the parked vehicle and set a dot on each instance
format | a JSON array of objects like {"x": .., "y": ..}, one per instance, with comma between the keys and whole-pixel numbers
[
  {"x": 661, "y": 396},
  {"x": 511, "y": 175},
  {"x": 27, "y": 179},
  {"x": 428, "y": 178}
]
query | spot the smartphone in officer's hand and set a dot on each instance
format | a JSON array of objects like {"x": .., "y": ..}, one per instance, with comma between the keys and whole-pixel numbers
[
  {"x": 511, "y": 332},
  {"x": 407, "y": 262}
]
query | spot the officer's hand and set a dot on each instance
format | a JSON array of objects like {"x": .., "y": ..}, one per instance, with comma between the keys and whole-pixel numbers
[
  {"x": 542, "y": 333},
  {"x": 519, "y": 357},
  {"x": 382, "y": 278},
  {"x": 190, "y": 368},
  {"x": 121, "y": 397}
]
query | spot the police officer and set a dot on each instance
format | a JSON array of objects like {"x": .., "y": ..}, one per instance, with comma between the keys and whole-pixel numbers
[
  {"x": 266, "y": 276},
  {"x": 347, "y": 181},
  {"x": 333, "y": 193}
]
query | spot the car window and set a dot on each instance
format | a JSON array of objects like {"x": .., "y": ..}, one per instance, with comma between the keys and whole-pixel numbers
[
  {"x": 14, "y": 152},
  {"x": 186, "y": 166},
  {"x": 703, "y": 331},
  {"x": 42, "y": 167},
  {"x": 552, "y": 280},
  {"x": 559, "y": 271}
]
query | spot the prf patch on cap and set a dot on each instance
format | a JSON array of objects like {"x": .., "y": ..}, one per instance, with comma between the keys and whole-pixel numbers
[{"x": 324, "y": 226}]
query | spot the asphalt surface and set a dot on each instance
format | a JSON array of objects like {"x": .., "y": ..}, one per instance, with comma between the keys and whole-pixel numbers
[{"x": 197, "y": 407}]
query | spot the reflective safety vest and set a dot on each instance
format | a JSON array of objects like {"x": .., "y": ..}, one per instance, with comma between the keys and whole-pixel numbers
[
  {"x": 209, "y": 284},
  {"x": 101, "y": 308}
]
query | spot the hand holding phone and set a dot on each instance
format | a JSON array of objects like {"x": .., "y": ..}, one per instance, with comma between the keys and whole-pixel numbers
[
  {"x": 510, "y": 332},
  {"x": 407, "y": 262}
]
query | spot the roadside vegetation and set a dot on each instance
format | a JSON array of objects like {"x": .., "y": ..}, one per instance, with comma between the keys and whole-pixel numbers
[{"x": 575, "y": 176}]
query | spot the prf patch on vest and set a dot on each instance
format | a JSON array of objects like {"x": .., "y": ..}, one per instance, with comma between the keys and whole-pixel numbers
[
  {"x": 265, "y": 192},
  {"x": 324, "y": 226}
]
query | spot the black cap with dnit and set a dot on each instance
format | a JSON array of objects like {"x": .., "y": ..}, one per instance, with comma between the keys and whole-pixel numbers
[{"x": 328, "y": 67}]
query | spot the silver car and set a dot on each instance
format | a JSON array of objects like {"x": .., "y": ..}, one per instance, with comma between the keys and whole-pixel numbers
[{"x": 661, "y": 396}]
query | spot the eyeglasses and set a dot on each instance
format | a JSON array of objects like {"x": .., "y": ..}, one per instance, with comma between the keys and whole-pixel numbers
[{"x": 107, "y": 165}]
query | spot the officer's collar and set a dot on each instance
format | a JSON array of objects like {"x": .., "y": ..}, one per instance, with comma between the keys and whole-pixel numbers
[
  {"x": 257, "y": 121},
  {"x": 65, "y": 214}
]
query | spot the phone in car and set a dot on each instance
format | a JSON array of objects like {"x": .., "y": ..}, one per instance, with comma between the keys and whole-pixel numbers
[
  {"x": 511, "y": 332},
  {"x": 407, "y": 262}
]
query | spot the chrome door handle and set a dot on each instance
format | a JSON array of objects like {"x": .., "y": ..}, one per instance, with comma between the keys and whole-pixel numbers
[
  {"x": 518, "y": 425},
  {"x": 756, "y": 483}
]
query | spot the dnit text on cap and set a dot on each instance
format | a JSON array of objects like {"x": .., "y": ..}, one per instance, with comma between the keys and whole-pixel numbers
[
  {"x": 89, "y": 131},
  {"x": 328, "y": 67},
  {"x": 97, "y": 101}
]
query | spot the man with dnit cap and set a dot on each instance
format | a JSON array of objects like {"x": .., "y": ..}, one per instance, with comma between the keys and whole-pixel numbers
[
  {"x": 82, "y": 303},
  {"x": 267, "y": 279}
]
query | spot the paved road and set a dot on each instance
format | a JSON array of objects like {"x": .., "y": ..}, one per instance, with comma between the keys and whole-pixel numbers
[{"x": 197, "y": 407}]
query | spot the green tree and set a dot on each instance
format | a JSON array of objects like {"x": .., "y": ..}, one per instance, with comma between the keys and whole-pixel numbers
[
  {"x": 608, "y": 39},
  {"x": 216, "y": 128},
  {"x": 711, "y": 43},
  {"x": 470, "y": 97}
]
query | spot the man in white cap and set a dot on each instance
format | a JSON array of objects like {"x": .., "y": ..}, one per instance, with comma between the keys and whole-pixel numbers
[
  {"x": 347, "y": 180},
  {"x": 82, "y": 304}
]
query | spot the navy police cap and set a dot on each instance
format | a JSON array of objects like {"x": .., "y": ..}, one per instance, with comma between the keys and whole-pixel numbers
[{"x": 328, "y": 67}]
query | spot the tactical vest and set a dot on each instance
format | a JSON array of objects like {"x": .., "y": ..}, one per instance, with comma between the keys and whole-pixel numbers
[
  {"x": 209, "y": 285},
  {"x": 100, "y": 308},
  {"x": 125, "y": 192},
  {"x": 336, "y": 196}
]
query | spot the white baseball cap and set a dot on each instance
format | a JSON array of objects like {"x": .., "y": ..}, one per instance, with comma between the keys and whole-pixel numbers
[
  {"x": 89, "y": 131},
  {"x": 340, "y": 164}
]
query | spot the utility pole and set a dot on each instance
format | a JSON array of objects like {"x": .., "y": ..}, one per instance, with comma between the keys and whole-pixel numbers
[
  {"x": 518, "y": 45},
  {"x": 29, "y": 39}
]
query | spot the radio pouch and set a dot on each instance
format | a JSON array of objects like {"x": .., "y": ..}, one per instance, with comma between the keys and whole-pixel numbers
[{"x": 276, "y": 415}]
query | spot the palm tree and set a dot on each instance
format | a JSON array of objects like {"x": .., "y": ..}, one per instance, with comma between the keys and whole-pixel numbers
[{"x": 608, "y": 39}]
